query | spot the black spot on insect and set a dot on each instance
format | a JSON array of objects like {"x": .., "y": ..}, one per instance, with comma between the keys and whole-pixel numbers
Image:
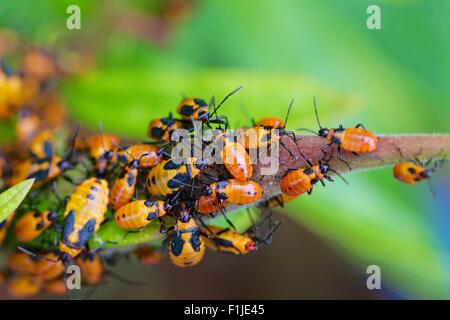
[
  {"x": 176, "y": 245},
  {"x": 187, "y": 110},
  {"x": 308, "y": 170},
  {"x": 314, "y": 181},
  {"x": 131, "y": 179},
  {"x": 36, "y": 214},
  {"x": 157, "y": 132},
  {"x": 168, "y": 121},
  {"x": 170, "y": 165},
  {"x": 90, "y": 197},
  {"x": 200, "y": 102},
  {"x": 94, "y": 188},
  {"x": 411, "y": 170},
  {"x": 40, "y": 225},
  {"x": 196, "y": 241},
  {"x": 178, "y": 181},
  {"x": 153, "y": 179}
]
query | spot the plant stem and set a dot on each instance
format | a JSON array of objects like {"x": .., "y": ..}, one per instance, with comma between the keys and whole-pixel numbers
[{"x": 422, "y": 146}]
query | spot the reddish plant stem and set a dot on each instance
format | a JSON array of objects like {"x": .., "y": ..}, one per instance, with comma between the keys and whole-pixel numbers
[{"x": 422, "y": 146}]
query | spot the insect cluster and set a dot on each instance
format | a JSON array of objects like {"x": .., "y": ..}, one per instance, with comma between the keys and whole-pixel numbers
[{"x": 135, "y": 185}]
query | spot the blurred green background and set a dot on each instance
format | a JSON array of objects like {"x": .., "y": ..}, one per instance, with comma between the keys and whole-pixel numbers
[{"x": 394, "y": 80}]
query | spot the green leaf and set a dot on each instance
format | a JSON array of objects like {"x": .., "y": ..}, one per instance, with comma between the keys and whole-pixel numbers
[
  {"x": 13, "y": 197},
  {"x": 111, "y": 236}
]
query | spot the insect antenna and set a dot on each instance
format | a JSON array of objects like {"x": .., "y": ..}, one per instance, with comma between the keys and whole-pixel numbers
[
  {"x": 224, "y": 99},
  {"x": 339, "y": 175},
  {"x": 317, "y": 113},
  {"x": 28, "y": 252},
  {"x": 289, "y": 111},
  {"x": 70, "y": 153}
]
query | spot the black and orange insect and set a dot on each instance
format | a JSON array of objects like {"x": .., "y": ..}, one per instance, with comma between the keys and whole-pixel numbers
[
  {"x": 226, "y": 240},
  {"x": 11, "y": 92},
  {"x": 137, "y": 214},
  {"x": 168, "y": 176},
  {"x": 161, "y": 129},
  {"x": 41, "y": 146},
  {"x": 234, "y": 191},
  {"x": 4, "y": 227},
  {"x": 92, "y": 268},
  {"x": 266, "y": 132},
  {"x": 49, "y": 266},
  {"x": 186, "y": 248},
  {"x": 124, "y": 186},
  {"x": 56, "y": 287},
  {"x": 147, "y": 255},
  {"x": 147, "y": 154},
  {"x": 21, "y": 262},
  {"x": 196, "y": 109},
  {"x": 277, "y": 201},
  {"x": 28, "y": 124},
  {"x": 84, "y": 213},
  {"x": 356, "y": 140},
  {"x": 102, "y": 148},
  {"x": 44, "y": 171},
  {"x": 236, "y": 159},
  {"x": 25, "y": 286},
  {"x": 415, "y": 170},
  {"x": 270, "y": 122},
  {"x": 298, "y": 181},
  {"x": 31, "y": 225}
]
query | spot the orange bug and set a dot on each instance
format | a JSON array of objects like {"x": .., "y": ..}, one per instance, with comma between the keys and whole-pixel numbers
[
  {"x": 414, "y": 170},
  {"x": 24, "y": 286},
  {"x": 270, "y": 122},
  {"x": 167, "y": 177},
  {"x": 41, "y": 146},
  {"x": 147, "y": 154},
  {"x": 278, "y": 201},
  {"x": 32, "y": 224},
  {"x": 101, "y": 150},
  {"x": 197, "y": 109},
  {"x": 43, "y": 171},
  {"x": 356, "y": 140},
  {"x": 92, "y": 269},
  {"x": 193, "y": 108},
  {"x": 49, "y": 266},
  {"x": 236, "y": 160},
  {"x": 147, "y": 255},
  {"x": 22, "y": 262},
  {"x": 11, "y": 93},
  {"x": 56, "y": 287},
  {"x": 4, "y": 227},
  {"x": 137, "y": 214},
  {"x": 84, "y": 213},
  {"x": 161, "y": 129},
  {"x": 208, "y": 204},
  {"x": 186, "y": 246},
  {"x": 226, "y": 240},
  {"x": 298, "y": 181},
  {"x": 124, "y": 186},
  {"x": 27, "y": 126},
  {"x": 237, "y": 192}
]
